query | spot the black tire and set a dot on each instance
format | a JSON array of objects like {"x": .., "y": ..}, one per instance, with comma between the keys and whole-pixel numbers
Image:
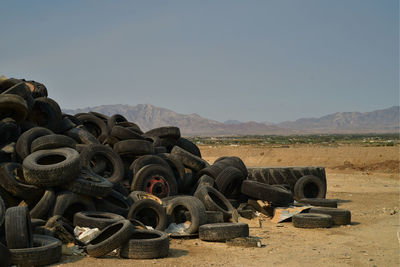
[
  {"x": 110, "y": 238},
  {"x": 93, "y": 124},
  {"x": 18, "y": 228},
  {"x": 213, "y": 200},
  {"x": 275, "y": 195},
  {"x": 320, "y": 202},
  {"x": 68, "y": 203},
  {"x": 177, "y": 207},
  {"x": 188, "y": 159},
  {"x": 150, "y": 213},
  {"x": 82, "y": 136},
  {"x": 307, "y": 220},
  {"x": 134, "y": 147},
  {"x": 39, "y": 90},
  {"x": 11, "y": 175},
  {"x": 47, "y": 168},
  {"x": 188, "y": 146},
  {"x": 115, "y": 120},
  {"x": 52, "y": 141},
  {"x": 42, "y": 208},
  {"x": 5, "y": 256},
  {"x": 90, "y": 184},
  {"x": 24, "y": 142},
  {"x": 214, "y": 217},
  {"x": 123, "y": 133},
  {"x": 65, "y": 125},
  {"x": 223, "y": 231},
  {"x": 36, "y": 223},
  {"x": 309, "y": 186},
  {"x": 248, "y": 214},
  {"x": 9, "y": 200},
  {"x": 13, "y": 106},
  {"x": 142, "y": 161},
  {"x": 46, "y": 113},
  {"x": 177, "y": 168},
  {"x": 155, "y": 179},
  {"x": 9, "y": 131},
  {"x": 212, "y": 171},
  {"x": 46, "y": 251},
  {"x": 164, "y": 132},
  {"x": 146, "y": 244},
  {"x": 114, "y": 202},
  {"x": 96, "y": 219},
  {"x": 139, "y": 195},
  {"x": 167, "y": 142},
  {"x": 160, "y": 150},
  {"x": 103, "y": 117},
  {"x": 91, "y": 154},
  {"x": 339, "y": 216},
  {"x": 23, "y": 91},
  {"x": 229, "y": 182},
  {"x": 205, "y": 180}
]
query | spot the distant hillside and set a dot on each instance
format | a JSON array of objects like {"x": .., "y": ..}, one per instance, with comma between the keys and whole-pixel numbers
[{"x": 148, "y": 117}]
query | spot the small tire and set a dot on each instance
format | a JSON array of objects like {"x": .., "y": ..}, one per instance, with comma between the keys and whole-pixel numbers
[
  {"x": 146, "y": 244},
  {"x": 47, "y": 168},
  {"x": 96, "y": 219},
  {"x": 18, "y": 228},
  {"x": 309, "y": 186},
  {"x": 339, "y": 216},
  {"x": 150, "y": 213},
  {"x": 307, "y": 220},
  {"x": 110, "y": 238},
  {"x": 223, "y": 231}
]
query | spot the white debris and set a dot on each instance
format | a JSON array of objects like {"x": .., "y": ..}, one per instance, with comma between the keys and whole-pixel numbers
[
  {"x": 180, "y": 228},
  {"x": 85, "y": 234}
]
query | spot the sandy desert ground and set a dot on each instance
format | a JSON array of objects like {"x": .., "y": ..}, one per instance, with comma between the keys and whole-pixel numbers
[{"x": 364, "y": 179}]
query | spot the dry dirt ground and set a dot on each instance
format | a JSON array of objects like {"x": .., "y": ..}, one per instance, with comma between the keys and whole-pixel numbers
[{"x": 364, "y": 179}]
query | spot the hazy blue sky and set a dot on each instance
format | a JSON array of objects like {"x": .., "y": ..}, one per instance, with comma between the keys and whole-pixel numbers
[{"x": 245, "y": 60}]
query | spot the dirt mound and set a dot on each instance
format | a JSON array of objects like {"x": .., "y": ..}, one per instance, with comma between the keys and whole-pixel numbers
[{"x": 388, "y": 166}]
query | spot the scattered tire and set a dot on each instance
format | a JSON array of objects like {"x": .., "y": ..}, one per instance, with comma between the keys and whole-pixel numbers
[
  {"x": 18, "y": 227},
  {"x": 223, "y": 231},
  {"x": 96, "y": 219},
  {"x": 94, "y": 154},
  {"x": 42, "y": 208},
  {"x": 177, "y": 168},
  {"x": 275, "y": 195},
  {"x": 146, "y": 244},
  {"x": 308, "y": 220},
  {"x": 115, "y": 119},
  {"x": 93, "y": 124},
  {"x": 205, "y": 180},
  {"x": 213, "y": 200},
  {"x": 147, "y": 160},
  {"x": 214, "y": 217},
  {"x": 110, "y": 238},
  {"x": 9, "y": 131},
  {"x": 188, "y": 159},
  {"x": 164, "y": 132},
  {"x": 320, "y": 202},
  {"x": 309, "y": 186},
  {"x": 46, "y": 113},
  {"x": 13, "y": 106},
  {"x": 339, "y": 216},
  {"x": 122, "y": 133},
  {"x": 138, "y": 195},
  {"x": 150, "y": 213},
  {"x": 46, "y": 251},
  {"x": 81, "y": 136},
  {"x": 229, "y": 182},
  {"x": 134, "y": 147},
  {"x": 177, "y": 207},
  {"x": 52, "y": 141},
  {"x": 188, "y": 146},
  {"x": 68, "y": 203},
  {"x": 155, "y": 179},
  {"x": 114, "y": 202},
  {"x": 24, "y": 142},
  {"x": 53, "y": 167}
]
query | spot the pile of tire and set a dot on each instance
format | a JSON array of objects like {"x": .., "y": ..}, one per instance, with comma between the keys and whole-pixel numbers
[{"x": 89, "y": 169}]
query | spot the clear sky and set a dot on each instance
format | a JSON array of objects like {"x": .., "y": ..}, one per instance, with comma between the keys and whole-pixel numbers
[{"x": 244, "y": 60}]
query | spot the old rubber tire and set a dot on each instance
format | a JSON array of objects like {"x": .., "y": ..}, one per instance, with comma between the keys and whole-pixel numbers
[
  {"x": 164, "y": 132},
  {"x": 47, "y": 168},
  {"x": 146, "y": 244},
  {"x": 9, "y": 131},
  {"x": 214, "y": 217},
  {"x": 142, "y": 161},
  {"x": 134, "y": 147},
  {"x": 320, "y": 202},
  {"x": 52, "y": 141},
  {"x": 93, "y": 124},
  {"x": 215, "y": 201},
  {"x": 138, "y": 195},
  {"x": 309, "y": 186},
  {"x": 223, "y": 231},
  {"x": 96, "y": 152},
  {"x": 81, "y": 136},
  {"x": 275, "y": 195},
  {"x": 11, "y": 175},
  {"x": 46, "y": 251},
  {"x": 150, "y": 213},
  {"x": 13, "y": 106},
  {"x": 46, "y": 113},
  {"x": 188, "y": 159},
  {"x": 90, "y": 184},
  {"x": 110, "y": 238},
  {"x": 229, "y": 182},
  {"x": 177, "y": 168},
  {"x": 43, "y": 206},
  {"x": 96, "y": 219},
  {"x": 115, "y": 119},
  {"x": 18, "y": 227},
  {"x": 339, "y": 216},
  {"x": 68, "y": 203},
  {"x": 308, "y": 220},
  {"x": 177, "y": 207},
  {"x": 188, "y": 146},
  {"x": 24, "y": 142},
  {"x": 155, "y": 179},
  {"x": 114, "y": 202},
  {"x": 123, "y": 133}
]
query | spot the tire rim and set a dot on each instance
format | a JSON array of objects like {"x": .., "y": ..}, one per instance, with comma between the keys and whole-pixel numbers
[{"x": 157, "y": 186}]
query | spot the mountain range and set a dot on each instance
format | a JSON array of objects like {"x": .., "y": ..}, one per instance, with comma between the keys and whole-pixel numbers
[{"x": 148, "y": 116}]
